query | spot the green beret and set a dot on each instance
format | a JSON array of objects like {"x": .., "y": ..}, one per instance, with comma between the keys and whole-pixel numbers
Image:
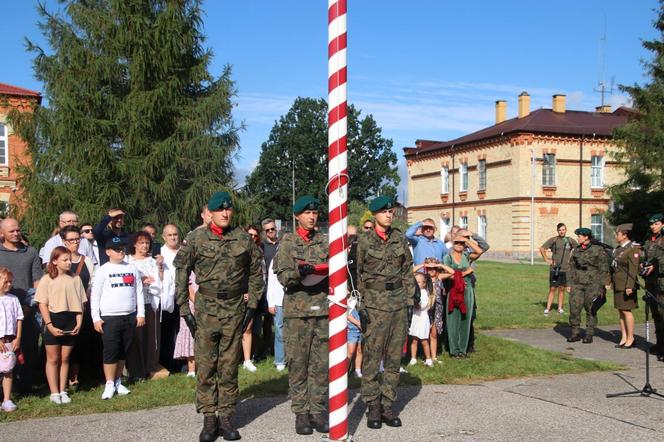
[
  {"x": 585, "y": 231},
  {"x": 656, "y": 217},
  {"x": 625, "y": 227},
  {"x": 306, "y": 202},
  {"x": 381, "y": 203},
  {"x": 220, "y": 200}
]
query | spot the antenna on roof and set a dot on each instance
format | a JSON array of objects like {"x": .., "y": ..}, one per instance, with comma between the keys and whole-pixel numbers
[{"x": 601, "y": 85}]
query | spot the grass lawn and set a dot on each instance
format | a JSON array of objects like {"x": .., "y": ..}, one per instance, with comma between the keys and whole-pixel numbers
[
  {"x": 514, "y": 296},
  {"x": 495, "y": 359}
]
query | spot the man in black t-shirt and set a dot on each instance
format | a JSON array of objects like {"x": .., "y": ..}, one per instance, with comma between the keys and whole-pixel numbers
[{"x": 560, "y": 247}]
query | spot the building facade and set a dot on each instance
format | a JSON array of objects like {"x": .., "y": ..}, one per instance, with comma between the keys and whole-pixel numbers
[
  {"x": 13, "y": 150},
  {"x": 514, "y": 181}
]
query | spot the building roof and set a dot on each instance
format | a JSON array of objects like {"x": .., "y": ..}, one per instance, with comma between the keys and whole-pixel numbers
[
  {"x": 8, "y": 89},
  {"x": 543, "y": 121}
]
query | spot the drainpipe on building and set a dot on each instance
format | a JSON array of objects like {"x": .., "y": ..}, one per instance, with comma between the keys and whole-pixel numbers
[
  {"x": 532, "y": 206},
  {"x": 581, "y": 182},
  {"x": 453, "y": 187}
]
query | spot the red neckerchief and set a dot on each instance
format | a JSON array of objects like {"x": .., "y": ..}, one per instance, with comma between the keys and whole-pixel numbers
[
  {"x": 218, "y": 231},
  {"x": 304, "y": 233},
  {"x": 584, "y": 246},
  {"x": 381, "y": 235}
]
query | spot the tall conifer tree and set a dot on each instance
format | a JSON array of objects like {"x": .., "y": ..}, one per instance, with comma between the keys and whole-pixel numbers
[{"x": 134, "y": 118}]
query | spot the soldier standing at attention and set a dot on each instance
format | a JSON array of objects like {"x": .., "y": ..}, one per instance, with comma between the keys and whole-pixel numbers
[
  {"x": 227, "y": 264},
  {"x": 588, "y": 273},
  {"x": 384, "y": 269},
  {"x": 624, "y": 276},
  {"x": 301, "y": 266},
  {"x": 653, "y": 268}
]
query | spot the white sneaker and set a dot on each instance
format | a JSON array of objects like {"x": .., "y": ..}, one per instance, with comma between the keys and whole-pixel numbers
[
  {"x": 561, "y": 311},
  {"x": 382, "y": 367},
  {"x": 55, "y": 398},
  {"x": 8, "y": 406},
  {"x": 109, "y": 390},
  {"x": 358, "y": 373},
  {"x": 191, "y": 374},
  {"x": 64, "y": 397},
  {"x": 428, "y": 363},
  {"x": 248, "y": 365},
  {"x": 402, "y": 370},
  {"x": 546, "y": 312},
  {"x": 412, "y": 361},
  {"x": 281, "y": 367},
  {"x": 121, "y": 389}
]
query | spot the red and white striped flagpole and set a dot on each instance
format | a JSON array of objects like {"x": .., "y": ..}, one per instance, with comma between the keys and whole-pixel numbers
[{"x": 337, "y": 197}]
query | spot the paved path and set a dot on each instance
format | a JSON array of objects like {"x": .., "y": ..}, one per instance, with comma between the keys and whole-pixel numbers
[{"x": 567, "y": 407}]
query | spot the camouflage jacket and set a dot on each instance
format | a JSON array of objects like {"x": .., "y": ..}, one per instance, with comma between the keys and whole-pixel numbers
[
  {"x": 385, "y": 271},
  {"x": 654, "y": 254},
  {"x": 225, "y": 269},
  {"x": 300, "y": 300},
  {"x": 588, "y": 266}
]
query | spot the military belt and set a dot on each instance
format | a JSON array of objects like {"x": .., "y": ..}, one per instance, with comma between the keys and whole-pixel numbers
[
  {"x": 219, "y": 294},
  {"x": 383, "y": 285},
  {"x": 322, "y": 286}
]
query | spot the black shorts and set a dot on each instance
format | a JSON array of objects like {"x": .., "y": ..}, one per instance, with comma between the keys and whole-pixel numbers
[
  {"x": 117, "y": 337},
  {"x": 561, "y": 281},
  {"x": 65, "y": 321}
]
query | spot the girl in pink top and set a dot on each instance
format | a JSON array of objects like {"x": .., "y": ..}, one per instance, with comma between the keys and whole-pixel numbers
[{"x": 11, "y": 319}]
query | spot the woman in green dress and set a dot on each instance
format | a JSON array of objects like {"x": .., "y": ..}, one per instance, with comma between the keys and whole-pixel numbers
[{"x": 461, "y": 297}]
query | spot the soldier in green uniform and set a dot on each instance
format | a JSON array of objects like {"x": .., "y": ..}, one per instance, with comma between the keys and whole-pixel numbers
[
  {"x": 624, "y": 275},
  {"x": 301, "y": 266},
  {"x": 227, "y": 264},
  {"x": 588, "y": 275},
  {"x": 653, "y": 269},
  {"x": 387, "y": 286}
]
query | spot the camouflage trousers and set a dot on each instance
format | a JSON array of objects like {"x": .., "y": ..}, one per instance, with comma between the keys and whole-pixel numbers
[
  {"x": 581, "y": 298},
  {"x": 656, "y": 310},
  {"x": 307, "y": 355},
  {"x": 218, "y": 349},
  {"x": 384, "y": 340}
]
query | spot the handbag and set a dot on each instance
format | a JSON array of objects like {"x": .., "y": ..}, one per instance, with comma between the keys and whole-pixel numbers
[
  {"x": 7, "y": 360},
  {"x": 598, "y": 302}
]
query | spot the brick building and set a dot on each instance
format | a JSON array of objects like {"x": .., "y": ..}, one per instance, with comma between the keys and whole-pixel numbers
[
  {"x": 483, "y": 180},
  {"x": 13, "y": 150}
]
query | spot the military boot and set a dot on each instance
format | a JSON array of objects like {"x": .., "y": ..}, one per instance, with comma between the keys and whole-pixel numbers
[
  {"x": 373, "y": 415},
  {"x": 227, "y": 430},
  {"x": 319, "y": 422},
  {"x": 390, "y": 418},
  {"x": 209, "y": 431},
  {"x": 302, "y": 424}
]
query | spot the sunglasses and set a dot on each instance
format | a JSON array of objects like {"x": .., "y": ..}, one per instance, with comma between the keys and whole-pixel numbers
[
  {"x": 459, "y": 242},
  {"x": 366, "y": 227},
  {"x": 254, "y": 235},
  {"x": 86, "y": 231},
  {"x": 271, "y": 229},
  {"x": 427, "y": 227},
  {"x": 117, "y": 250}
]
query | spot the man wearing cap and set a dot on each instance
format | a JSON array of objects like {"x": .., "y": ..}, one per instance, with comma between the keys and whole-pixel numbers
[
  {"x": 384, "y": 269},
  {"x": 425, "y": 245},
  {"x": 588, "y": 274},
  {"x": 227, "y": 264},
  {"x": 109, "y": 227},
  {"x": 301, "y": 266},
  {"x": 653, "y": 268}
]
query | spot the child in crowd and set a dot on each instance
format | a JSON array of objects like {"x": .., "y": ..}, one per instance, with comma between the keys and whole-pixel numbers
[
  {"x": 184, "y": 342},
  {"x": 354, "y": 337},
  {"x": 420, "y": 325},
  {"x": 11, "y": 320},
  {"x": 61, "y": 299},
  {"x": 117, "y": 309}
]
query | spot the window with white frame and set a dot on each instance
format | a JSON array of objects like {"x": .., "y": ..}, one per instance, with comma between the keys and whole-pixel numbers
[
  {"x": 3, "y": 144},
  {"x": 445, "y": 180},
  {"x": 481, "y": 226},
  {"x": 463, "y": 222},
  {"x": 549, "y": 170},
  {"x": 463, "y": 171},
  {"x": 596, "y": 171},
  {"x": 481, "y": 172},
  {"x": 444, "y": 227},
  {"x": 597, "y": 226}
]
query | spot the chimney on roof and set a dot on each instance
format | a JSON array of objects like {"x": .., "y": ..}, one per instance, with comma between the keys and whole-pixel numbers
[
  {"x": 603, "y": 109},
  {"x": 501, "y": 111},
  {"x": 558, "y": 103},
  {"x": 524, "y": 104}
]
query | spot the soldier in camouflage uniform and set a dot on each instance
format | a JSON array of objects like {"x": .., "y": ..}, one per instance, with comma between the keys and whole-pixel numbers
[
  {"x": 227, "y": 264},
  {"x": 384, "y": 268},
  {"x": 653, "y": 248},
  {"x": 301, "y": 266},
  {"x": 588, "y": 274}
]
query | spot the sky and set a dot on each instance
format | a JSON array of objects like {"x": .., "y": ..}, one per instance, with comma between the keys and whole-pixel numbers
[{"x": 426, "y": 69}]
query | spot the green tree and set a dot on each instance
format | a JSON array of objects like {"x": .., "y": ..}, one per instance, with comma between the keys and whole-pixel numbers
[
  {"x": 298, "y": 141},
  {"x": 134, "y": 118},
  {"x": 641, "y": 143}
]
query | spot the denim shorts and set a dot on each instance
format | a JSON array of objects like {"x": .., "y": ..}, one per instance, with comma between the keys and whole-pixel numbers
[{"x": 354, "y": 335}]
